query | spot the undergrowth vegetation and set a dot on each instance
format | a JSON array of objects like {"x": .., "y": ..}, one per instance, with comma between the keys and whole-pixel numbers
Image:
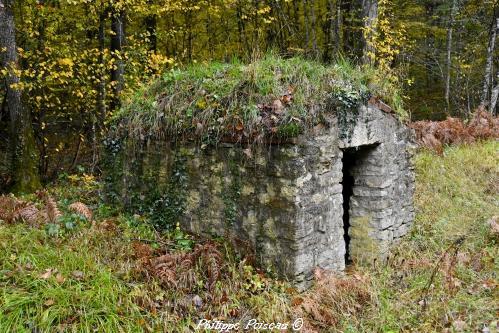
[
  {"x": 436, "y": 135},
  {"x": 271, "y": 97},
  {"x": 115, "y": 273},
  {"x": 443, "y": 276}
]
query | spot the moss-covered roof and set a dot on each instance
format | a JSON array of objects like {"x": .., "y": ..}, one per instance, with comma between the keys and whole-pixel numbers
[{"x": 272, "y": 97}]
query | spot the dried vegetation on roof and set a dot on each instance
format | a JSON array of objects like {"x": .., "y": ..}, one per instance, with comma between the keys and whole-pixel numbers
[{"x": 270, "y": 98}]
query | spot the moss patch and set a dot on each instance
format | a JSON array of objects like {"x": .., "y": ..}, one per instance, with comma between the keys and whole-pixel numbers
[
  {"x": 363, "y": 248},
  {"x": 270, "y": 98},
  {"x": 232, "y": 194}
]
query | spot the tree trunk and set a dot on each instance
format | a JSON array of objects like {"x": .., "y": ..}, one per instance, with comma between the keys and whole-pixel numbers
[
  {"x": 313, "y": 23},
  {"x": 284, "y": 26},
  {"x": 487, "y": 81},
  {"x": 348, "y": 28},
  {"x": 39, "y": 119},
  {"x": 328, "y": 30},
  {"x": 150, "y": 22},
  {"x": 211, "y": 35},
  {"x": 24, "y": 166},
  {"x": 370, "y": 13},
  {"x": 307, "y": 25},
  {"x": 338, "y": 28},
  {"x": 241, "y": 29},
  {"x": 494, "y": 96},
  {"x": 190, "y": 37},
  {"x": 449, "y": 54},
  {"x": 272, "y": 31},
  {"x": 117, "y": 43},
  {"x": 101, "y": 97},
  {"x": 99, "y": 118},
  {"x": 334, "y": 27},
  {"x": 3, "y": 108},
  {"x": 254, "y": 43},
  {"x": 296, "y": 15}
]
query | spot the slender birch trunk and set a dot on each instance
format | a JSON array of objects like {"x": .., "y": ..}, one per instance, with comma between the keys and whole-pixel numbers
[
  {"x": 449, "y": 54},
  {"x": 487, "y": 80},
  {"x": 494, "y": 97}
]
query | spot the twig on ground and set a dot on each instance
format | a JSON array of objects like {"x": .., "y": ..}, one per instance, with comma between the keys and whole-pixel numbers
[{"x": 455, "y": 247}]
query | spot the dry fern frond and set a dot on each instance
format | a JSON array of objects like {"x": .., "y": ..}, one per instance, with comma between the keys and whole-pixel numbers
[
  {"x": 11, "y": 208},
  {"x": 29, "y": 214},
  {"x": 7, "y": 206},
  {"x": 142, "y": 251},
  {"x": 331, "y": 299},
  {"x": 165, "y": 269},
  {"x": 6, "y": 202},
  {"x": 210, "y": 258},
  {"x": 183, "y": 270},
  {"x": 435, "y": 134},
  {"x": 82, "y": 209},
  {"x": 168, "y": 277},
  {"x": 52, "y": 212}
]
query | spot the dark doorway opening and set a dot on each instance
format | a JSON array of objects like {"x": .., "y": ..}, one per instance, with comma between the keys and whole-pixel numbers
[
  {"x": 348, "y": 182},
  {"x": 353, "y": 158}
]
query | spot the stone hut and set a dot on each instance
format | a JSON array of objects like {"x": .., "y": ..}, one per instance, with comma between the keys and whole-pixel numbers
[{"x": 339, "y": 192}]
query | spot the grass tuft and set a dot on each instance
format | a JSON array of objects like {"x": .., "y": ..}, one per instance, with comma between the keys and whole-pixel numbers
[
  {"x": 269, "y": 97},
  {"x": 49, "y": 286}
]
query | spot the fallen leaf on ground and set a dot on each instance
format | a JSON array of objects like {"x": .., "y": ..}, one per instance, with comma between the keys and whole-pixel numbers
[
  {"x": 239, "y": 126},
  {"x": 198, "y": 302},
  {"x": 49, "y": 302},
  {"x": 494, "y": 225},
  {"x": 47, "y": 274},
  {"x": 489, "y": 284},
  {"x": 78, "y": 275},
  {"x": 60, "y": 278},
  {"x": 297, "y": 301},
  {"x": 277, "y": 106},
  {"x": 459, "y": 325},
  {"x": 248, "y": 153}
]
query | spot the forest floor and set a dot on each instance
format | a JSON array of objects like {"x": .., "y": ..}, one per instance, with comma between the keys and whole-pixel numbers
[{"x": 117, "y": 274}]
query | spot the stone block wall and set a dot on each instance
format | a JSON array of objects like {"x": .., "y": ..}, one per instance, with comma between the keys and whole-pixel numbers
[
  {"x": 284, "y": 203},
  {"x": 381, "y": 207}
]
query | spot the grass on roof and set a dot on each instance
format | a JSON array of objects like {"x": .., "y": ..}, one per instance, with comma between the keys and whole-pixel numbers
[{"x": 270, "y": 97}]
